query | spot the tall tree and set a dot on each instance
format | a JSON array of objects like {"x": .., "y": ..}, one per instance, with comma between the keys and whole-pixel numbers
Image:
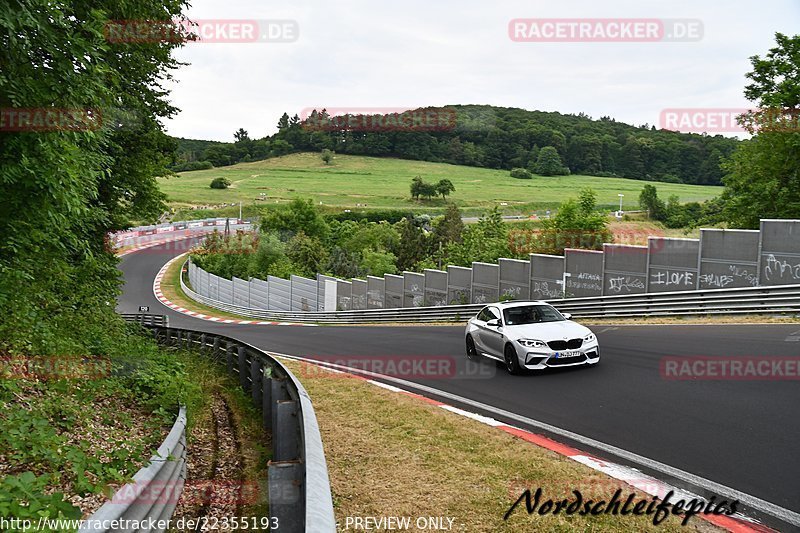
[
  {"x": 445, "y": 187},
  {"x": 549, "y": 163},
  {"x": 763, "y": 174},
  {"x": 64, "y": 190}
]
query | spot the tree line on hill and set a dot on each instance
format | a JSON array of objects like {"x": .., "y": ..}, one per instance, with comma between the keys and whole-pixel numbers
[{"x": 490, "y": 137}]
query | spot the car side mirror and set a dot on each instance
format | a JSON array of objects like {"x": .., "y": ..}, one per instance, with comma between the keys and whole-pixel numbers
[
  {"x": 566, "y": 315},
  {"x": 495, "y": 322}
]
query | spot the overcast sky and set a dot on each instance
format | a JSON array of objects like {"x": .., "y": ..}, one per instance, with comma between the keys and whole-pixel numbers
[{"x": 364, "y": 54}]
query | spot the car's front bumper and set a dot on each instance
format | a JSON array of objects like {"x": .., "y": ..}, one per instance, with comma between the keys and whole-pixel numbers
[{"x": 541, "y": 358}]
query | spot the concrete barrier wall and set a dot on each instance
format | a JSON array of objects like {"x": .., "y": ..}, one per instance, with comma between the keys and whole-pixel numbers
[
  {"x": 673, "y": 264},
  {"x": 780, "y": 252},
  {"x": 413, "y": 289},
  {"x": 583, "y": 270},
  {"x": 719, "y": 259},
  {"x": 225, "y": 290},
  {"x": 375, "y": 292},
  {"x": 344, "y": 295},
  {"x": 393, "y": 295},
  {"x": 280, "y": 293},
  {"x": 241, "y": 292},
  {"x": 304, "y": 294},
  {"x": 321, "y": 279},
  {"x": 435, "y": 287},
  {"x": 515, "y": 279},
  {"x": 624, "y": 269},
  {"x": 259, "y": 293},
  {"x": 485, "y": 283},
  {"x": 358, "y": 294},
  {"x": 547, "y": 277},
  {"x": 728, "y": 258},
  {"x": 459, "y": 283}
]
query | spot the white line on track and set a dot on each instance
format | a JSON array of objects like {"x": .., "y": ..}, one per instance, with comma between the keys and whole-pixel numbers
[{"x": 771, "y": 509}]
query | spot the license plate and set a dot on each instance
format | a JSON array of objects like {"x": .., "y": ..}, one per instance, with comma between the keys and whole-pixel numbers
[{"x": 565, "y": 355}]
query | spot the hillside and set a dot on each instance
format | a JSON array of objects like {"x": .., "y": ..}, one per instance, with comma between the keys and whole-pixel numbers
[
  {"x": 384, "y": 182},
  {"x": 489, "y": 137}
]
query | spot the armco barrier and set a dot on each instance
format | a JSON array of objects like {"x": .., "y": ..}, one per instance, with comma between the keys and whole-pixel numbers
[
  {"x": 155, "y": 488},
  {"x": 298, "y": 484},
  {"x": 780, "y": 299}
]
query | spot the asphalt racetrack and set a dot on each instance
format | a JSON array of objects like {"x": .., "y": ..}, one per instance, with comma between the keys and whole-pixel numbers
[{"x": 744, "y": 434}]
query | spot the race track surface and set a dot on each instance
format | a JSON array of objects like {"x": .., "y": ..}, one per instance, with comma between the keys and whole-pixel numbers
[{"x": 743, "y": 434}]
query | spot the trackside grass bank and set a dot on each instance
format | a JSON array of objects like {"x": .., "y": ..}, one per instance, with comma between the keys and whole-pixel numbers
[{"x": 391, "y": 455}]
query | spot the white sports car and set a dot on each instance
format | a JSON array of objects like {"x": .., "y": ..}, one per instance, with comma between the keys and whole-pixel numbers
[{"x": 530, "y": 335}]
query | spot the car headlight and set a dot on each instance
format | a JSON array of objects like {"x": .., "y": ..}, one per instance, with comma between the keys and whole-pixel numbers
[
  {"x": 589, "y": 338},
  {"x": 532, "y": 343}
]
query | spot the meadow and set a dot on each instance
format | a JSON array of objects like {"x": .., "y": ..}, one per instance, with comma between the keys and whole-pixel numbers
[{"x": 372, "y": 182}]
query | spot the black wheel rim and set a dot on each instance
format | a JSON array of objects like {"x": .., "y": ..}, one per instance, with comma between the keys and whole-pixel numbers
[
  {"x": 509, "y": 362},
  {"x": 470, "y": 348}
]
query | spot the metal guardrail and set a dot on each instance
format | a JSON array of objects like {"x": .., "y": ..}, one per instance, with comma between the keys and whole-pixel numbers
[
  {"x": 154, "y": 491},
  {"x": 299, "y": 488},
  {"x": 772, "y": 300},
  {"x": 146, "y": 320}
]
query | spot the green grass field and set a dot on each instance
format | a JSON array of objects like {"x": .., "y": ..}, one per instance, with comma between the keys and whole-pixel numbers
[{"x": 384, "y": 183}]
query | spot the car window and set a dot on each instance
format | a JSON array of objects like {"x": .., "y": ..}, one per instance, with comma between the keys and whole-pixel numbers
[
  {"x": 494, "y": 313},
  {"x": 484, "y": 315},
  {"x": 531, "y": 314}
]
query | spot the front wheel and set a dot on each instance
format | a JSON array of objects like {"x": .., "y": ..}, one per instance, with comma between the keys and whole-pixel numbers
[
  {"x": 512, "y": 361},
  {"x": 472, "y": 353}
]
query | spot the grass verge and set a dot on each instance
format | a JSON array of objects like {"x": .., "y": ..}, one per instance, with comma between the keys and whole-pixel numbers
[
  {"x": 392, "y": 455},
  {"x": 171, "y": 288}
]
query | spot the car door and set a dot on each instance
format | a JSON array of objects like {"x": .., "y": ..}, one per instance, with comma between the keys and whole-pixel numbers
[
  {"x": 492, "y": 336},
  {"x": 480, "y": 323}
]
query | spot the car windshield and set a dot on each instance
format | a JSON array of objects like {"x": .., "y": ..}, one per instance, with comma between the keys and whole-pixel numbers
[{"x": 531, "y": 314}]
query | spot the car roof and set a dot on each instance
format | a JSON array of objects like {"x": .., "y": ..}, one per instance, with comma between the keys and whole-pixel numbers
[{"x": 518, "y": 303}]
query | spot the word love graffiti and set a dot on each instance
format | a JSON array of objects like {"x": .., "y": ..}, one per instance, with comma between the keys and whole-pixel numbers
[{"x": 672, "y": 278}]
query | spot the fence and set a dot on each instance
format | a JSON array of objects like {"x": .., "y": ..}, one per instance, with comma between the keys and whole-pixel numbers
[
  {"x": 779, "y": 299},
  {"x": 720, "y": 259},
  {"x": 144, "y": 234},
  {"x": 298, "y": 485}
]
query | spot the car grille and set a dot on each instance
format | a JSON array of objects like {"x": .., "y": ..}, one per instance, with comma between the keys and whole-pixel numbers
[
  {"x": 572, "y": 344},
  {"x": 566, "y": 361}
]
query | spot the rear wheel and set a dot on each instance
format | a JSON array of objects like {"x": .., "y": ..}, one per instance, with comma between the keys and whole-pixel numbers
[
  {"x": 512, "y": 361},
  {"x": 472, "y": 353}
]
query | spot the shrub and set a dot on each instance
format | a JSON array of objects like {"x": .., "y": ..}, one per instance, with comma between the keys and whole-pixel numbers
[
  {"x": 220, "y": 183},
  {"x": 521, "y": 173}
]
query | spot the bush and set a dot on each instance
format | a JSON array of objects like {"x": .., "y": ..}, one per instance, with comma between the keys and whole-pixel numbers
[
  {"x": 521, "y": 173},
  {"x": 391, "y": 216},
  {"x": 220, "y": 183}
]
